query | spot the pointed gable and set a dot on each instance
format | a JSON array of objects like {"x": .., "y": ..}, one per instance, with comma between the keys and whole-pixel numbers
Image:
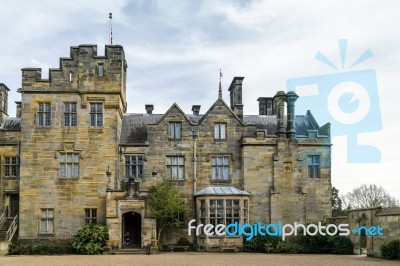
[{"x": 220, "y": 102}]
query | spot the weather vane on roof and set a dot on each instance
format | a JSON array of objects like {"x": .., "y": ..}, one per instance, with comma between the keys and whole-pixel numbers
[
  {"x": 110, "y": 17},
  {"x": 220, "y": 89}
]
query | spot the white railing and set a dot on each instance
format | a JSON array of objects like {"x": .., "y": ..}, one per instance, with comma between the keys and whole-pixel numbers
[
  {"x": 12, "y": 229},
  {"x": 3, "y": 218}
]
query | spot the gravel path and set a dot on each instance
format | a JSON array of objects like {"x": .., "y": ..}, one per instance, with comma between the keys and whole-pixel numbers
[{"x": 191, "y": 258}]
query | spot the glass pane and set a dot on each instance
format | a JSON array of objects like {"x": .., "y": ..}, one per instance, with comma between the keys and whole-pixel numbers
[
  {"x": 181, "y": 172},
  {"x": 44, "y": 213},
  {"x": 216, "y": 131},
  {"x": 99, "y": 120},
  {"x": 168, "y": 160},
  {"x": 87, "y": 212},
  {"x": 62, "y": 170},
  {"x": 140, "y": 160},
  {"x": 235, "y": 212},
  {"x": 69, "y": 157},
  {"x": 174, "y": 160},
  {"x": 73, "y": 120},
  {"x": 174, "y": 172},
  {"x": 226, "y": 173},
  {"x": 214, "y": 160},
  {"x": 228, "y": 203},
  {"x": 171, "y": 130},
  {"x": 220, "y": 203},
  {"x": 41, "y": 109},
  {"x": 50, "y": 226},
  {"x": 220, "y": 213},
  {"x": 236, "y": 203},
  {"x": 212, "y": 203},
  {"x": 214, "y": 172},
  {"x": 92, "y": 108},
  {"x": 92, "y": 120},
  {"x": 169, "y": 171},
  {"x": 66, "y": 119},
  {"x": 41, "y": 119},
  {"x": 226, "y": 160},
  {"x": 73, "y": 107},
  {"x": 178, "y": 130},
  {"x": 181, "y": 160},
  {"x": 222, "y": 131},
  {"x": 203, "y": 203},
  {"x": 76, "y": 170},
  {"x": 76, "y": 157},
  {"x": 43, "y": 226},
  {"x": 228, "y": 213},
  {"x": 99, "y": 108},
  {"x": 66, "y": 107},
  {"x": 69, "y": 170},
  {"x": 50, "y": 213},
  {"x": 47, "y": 107}
]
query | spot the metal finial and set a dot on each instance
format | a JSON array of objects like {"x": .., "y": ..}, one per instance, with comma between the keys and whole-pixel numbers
[
  {"x": 111, "y": 38},
  {"x": 220, "y": 89}
]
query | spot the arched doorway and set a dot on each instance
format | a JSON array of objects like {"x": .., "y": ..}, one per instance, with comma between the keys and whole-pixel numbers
[{"x": 131, "y": 230}]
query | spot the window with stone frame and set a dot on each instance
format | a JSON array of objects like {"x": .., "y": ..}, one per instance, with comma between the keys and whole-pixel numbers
[
  {"x": 220, "y": 167},
  {"x": 96, "y": 114},
  {"x": 47, "y": 221},
  {"x": 134, "y": 166},
  {"x": 223, "y": 211},
  {"x": 175, "y": 166},
  {"x": 44, "y": 114},
  {"x": 314, "y": 166},
  {"x": 70, "y": 116},
  {"x": 220, "y": 131},
  {"x": 175, "y": 130},
  {"x": 69, "y": 165},
  {"x": 11, "y": 166},
  {"x": 90, "y": 216}
]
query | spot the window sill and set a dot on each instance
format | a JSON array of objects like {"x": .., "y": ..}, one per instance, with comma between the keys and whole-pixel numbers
[
  {"x": 174, "y": 139},
  {"x": 220, "y": 181},
  {"x": 220, "y": 140}
]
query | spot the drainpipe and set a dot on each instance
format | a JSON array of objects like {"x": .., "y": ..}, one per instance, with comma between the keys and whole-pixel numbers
[{"x": 195, "y": 135}]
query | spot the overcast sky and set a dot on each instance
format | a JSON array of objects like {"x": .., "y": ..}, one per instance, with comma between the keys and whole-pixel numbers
[{"x": 175, "y": 49}]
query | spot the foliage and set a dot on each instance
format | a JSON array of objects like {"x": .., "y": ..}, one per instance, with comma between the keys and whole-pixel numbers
[
  {"x": 318, "y": 244},
  {"x": 391, "y": 250},
  {"x": 165, "y": 204},
  {"x": 336, "y": 203},
  {"x": 91, "y": 239},
  {"x": 260, "y": 244},
  {"x": 367, "y": 196},
  {"x": 183, "y": 241},
  {"x": 19, "y": 248}
]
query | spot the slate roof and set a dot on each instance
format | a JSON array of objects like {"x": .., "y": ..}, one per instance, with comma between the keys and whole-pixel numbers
[
  {"x": 221, "y": 191},
  {"x": 134, "y": 126},
  {"x": 11, "y": 124}
]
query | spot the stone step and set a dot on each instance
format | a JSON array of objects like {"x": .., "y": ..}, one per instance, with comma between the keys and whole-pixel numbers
[{"x": 129, "y": 251}]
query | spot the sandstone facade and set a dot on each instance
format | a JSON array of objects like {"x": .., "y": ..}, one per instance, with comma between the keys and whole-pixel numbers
[{"x": 82, "y": 158}]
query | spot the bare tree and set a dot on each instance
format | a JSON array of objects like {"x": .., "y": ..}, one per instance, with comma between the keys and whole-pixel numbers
[{"x": 367, "y": 196}]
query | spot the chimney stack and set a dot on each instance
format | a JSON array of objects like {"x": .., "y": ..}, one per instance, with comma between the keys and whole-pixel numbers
[
  {"x": 196, "y": 109},
  {"x": 265, "y": 106},
  {"x": 291, "y": 98},
  {"x": 279, "y": 104},
  {"x": 18, "y": 111},
  {"x": 235, "y": 95},
  {"x": 149, "y": 108}
]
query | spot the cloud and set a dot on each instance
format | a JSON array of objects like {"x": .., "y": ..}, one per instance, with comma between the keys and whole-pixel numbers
[{"x": 176, "y": 48}]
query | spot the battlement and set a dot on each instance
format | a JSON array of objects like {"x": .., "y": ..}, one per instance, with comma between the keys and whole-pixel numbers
[{"x": 83, "y": 66}]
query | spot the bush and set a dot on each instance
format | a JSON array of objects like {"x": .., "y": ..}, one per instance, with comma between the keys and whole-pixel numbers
[
  {"x": 342, "y": 245},
  {"x": 391, "y": 250},
  {"x": 260, "y": 244},
  {"x": 19, "y": 248},
  {"x": 91, "y": 239}
]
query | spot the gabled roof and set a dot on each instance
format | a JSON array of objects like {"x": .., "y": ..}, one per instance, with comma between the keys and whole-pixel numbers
[
  {"x": 226, "y": 105},
  {"x": 169, "y": 110},
  {"x": 221, "y": 191}
]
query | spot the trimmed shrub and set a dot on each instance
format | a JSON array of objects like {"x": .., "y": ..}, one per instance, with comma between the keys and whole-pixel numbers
[
  {"x": 19, "y": 248},
  {"x": 260, "y": 244},
  {"x": 90, "y": 239},
  {"x": 391, "y": 250},
  {"x": 342, "y": 245}
]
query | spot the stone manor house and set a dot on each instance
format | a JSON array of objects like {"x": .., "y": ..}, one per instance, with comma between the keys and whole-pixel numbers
[{"x": 72, "y": 155}]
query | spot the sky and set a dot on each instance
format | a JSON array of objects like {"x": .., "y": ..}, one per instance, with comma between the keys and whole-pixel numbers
[{"x": 175, "y": 50}]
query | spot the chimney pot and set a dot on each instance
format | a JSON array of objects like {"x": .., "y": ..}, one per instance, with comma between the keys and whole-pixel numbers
[
  {"x": 196, "y": 109},
  {"x": 149, "y": 108}
]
